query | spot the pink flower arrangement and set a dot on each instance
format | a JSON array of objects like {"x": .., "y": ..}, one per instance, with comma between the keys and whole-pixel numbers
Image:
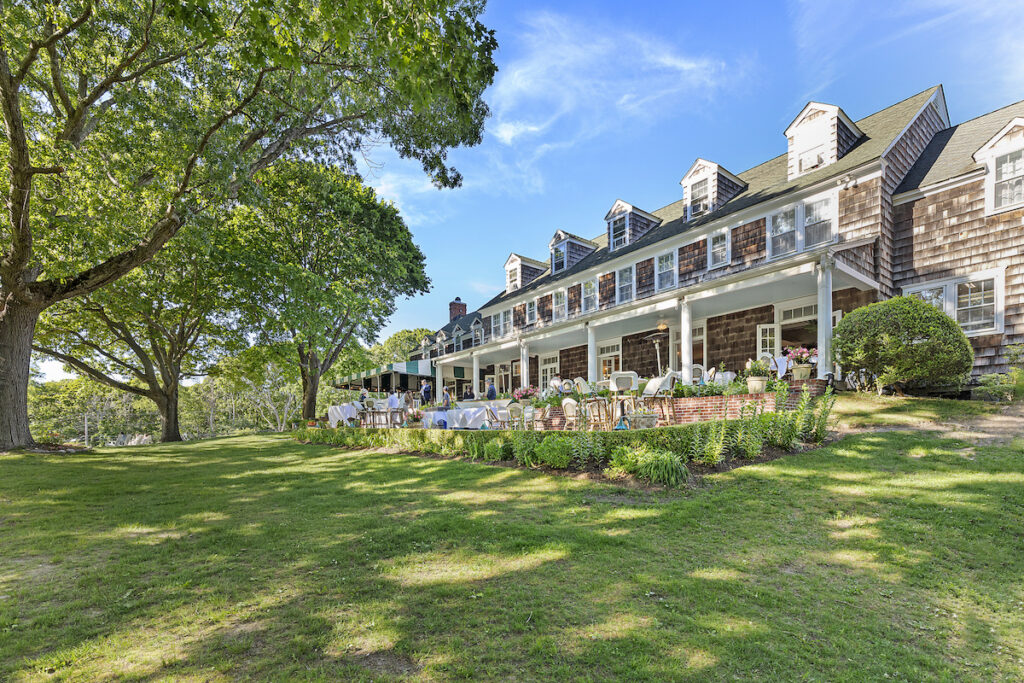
[
  {"x": 524, "y": 393},
  {"x": 801, "y": 355}
]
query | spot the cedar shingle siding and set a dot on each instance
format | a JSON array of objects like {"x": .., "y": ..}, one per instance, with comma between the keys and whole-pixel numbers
[
  {"x": 574, "y": 294},
  {"x": 644, "y": 278},
  {"x": 946, "y": 235},
  {"x": 732, "y": 338},
  {"x": 544, "y": 308},
  {"x": 606, "y": 290},
  {"x": 693, "y": 260}
]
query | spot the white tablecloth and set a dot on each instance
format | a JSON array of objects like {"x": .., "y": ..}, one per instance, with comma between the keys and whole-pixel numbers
[
  {"x": 457, "y": 418},
  {"x": 467, "y": 418},
  {"x": 342, "y": 413}
]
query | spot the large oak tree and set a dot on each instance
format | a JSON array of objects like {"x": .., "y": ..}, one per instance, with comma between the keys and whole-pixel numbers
[
  {"x": 328, "y": 260},
  {"x": 125, "y": 119}
]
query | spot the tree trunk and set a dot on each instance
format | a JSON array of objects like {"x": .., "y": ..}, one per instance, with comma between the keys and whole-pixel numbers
[
  {"x": 17, "y": 325},
  {"x": 168, "y": 405},
  {"x": 310, "y": 388}
]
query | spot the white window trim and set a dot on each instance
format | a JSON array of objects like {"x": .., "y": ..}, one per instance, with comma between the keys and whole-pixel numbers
[
  {"x": 548, "y": 366},
  {"x": 617, "y": 354},
  {"x": 564, "y": 248},
  {"x": 632, "y": 286},
  {"x": 990, "y": 184},
  {"x": 675, "y": 270},
  {"x": 511, "y": 284},
  {"x": 798, "y": 220},
  {"x": 728, "y": 248},
  {"x": 531, "y": 321},
  {"x": 611, "y": 241},
  {"x": 998, "y": 275},
  {"x": 689, "y": 196},
  {"x": 565, "y": 306},
  {"x": 597, "y": 296}
]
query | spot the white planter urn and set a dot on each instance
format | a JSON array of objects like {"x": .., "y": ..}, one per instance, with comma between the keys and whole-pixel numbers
[{"x": 756, "y": 385}]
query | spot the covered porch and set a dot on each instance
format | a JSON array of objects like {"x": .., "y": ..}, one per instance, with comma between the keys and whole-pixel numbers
[{"x": 721, "y": 323}]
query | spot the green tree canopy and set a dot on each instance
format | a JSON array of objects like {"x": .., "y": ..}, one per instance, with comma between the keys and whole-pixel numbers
[
  {"x": 398, "y": 346},
  {"x": 328, "y": 260},
  {"x": 126, "y": 119}
]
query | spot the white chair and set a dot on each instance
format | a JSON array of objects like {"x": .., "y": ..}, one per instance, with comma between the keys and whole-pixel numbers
[
  {"x": 567, "y": 386},
  {"x": 698, "y": 373},
  {"x": 582, "y": 387},
  {"x": 515, "y": 413},
  {"x": 529, "y": 418},
  {"x": 624, "y": 381},
  {"x": 780, "y": 365},
  {"x": 569, "y": 409}
]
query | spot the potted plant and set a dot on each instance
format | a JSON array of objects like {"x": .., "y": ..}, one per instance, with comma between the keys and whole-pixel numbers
[
  {"x": 757, "y": 376},
  {"x": 525, "y": 394},
  {"x": 801, "y": 358}
]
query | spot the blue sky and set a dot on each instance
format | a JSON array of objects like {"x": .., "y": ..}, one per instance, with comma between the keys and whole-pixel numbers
[{"x": 596, "y": 101}]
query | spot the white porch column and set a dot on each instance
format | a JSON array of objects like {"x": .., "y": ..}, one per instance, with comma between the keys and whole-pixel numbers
[
  {"x": 593, "y": 374},
  {"x": 524, "y": 364},
  {"x": 825, "y": 317},
  {"x": 685, "y": 342},
  {"x": 476, "y": 375}
]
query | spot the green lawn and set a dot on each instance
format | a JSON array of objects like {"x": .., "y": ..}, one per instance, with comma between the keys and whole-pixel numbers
[{"x": 888, "y": 554}]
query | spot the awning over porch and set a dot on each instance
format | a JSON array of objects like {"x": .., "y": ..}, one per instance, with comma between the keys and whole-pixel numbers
[{"x": 419, "y": 368}]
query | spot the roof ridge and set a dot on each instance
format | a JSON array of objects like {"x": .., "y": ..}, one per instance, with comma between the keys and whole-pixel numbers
[{"x": 981, "y": 116}]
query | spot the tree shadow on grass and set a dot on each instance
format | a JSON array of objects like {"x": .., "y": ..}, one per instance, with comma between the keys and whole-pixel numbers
[{"x": 304, "y": 563}]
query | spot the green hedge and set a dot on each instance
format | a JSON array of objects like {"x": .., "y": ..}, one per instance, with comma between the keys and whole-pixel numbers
[{"x": 707, "y": 443}]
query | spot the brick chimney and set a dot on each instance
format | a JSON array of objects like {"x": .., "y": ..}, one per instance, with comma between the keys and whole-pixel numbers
[{"x": 455, "y": 309}]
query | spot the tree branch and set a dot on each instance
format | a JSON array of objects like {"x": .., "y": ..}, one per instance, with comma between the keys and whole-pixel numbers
[{"x": 87, "y": 369}]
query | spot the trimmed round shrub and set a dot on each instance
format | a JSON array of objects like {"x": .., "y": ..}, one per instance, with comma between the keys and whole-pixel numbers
[
  {"x": 554, "y": 451},
  {"x": 903, "y": 341}
]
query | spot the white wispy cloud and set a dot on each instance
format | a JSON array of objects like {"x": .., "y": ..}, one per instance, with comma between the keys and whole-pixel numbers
[
  {"x": 985, "y": 34},
  {"x": 575, "y": 79}
]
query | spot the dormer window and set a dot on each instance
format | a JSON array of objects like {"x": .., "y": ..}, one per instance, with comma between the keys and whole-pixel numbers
[
  {"x": 558, "y": 258},
  {"x": 620, "y": 233},
  {"x": 707, "y": 186},
  {"x": 512, "y": 279},
  {"x": 699, "y": 198},
  {"x": 811, "y": 159},
  {"x": 1003, "y": 156},
  {"x": 820, "y": 135}
]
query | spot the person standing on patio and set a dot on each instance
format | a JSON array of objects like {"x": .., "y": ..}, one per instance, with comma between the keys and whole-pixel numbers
[
  {"x": 425, "y": 391},
  {"x": 491, "y": 392}
]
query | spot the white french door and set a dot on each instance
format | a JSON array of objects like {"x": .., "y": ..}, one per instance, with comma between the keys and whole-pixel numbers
[{"x": 768, "y": 337}]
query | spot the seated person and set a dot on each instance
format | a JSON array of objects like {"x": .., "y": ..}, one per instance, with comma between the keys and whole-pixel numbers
[{"x": 467, "y": 393}]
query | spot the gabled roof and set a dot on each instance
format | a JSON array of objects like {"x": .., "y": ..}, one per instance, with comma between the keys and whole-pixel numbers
[
  {"x": 828, "y": 108},
  {"x": 562, "y": 235},
  {"x": 763, "y": 182},
  {"x": 951, "y": 152},
  {"x": 700, "y": 161},
  {"x": 625, "y": 207},
  {"x": 514, "y": 258},
  {"x": 463, "y": 321}
]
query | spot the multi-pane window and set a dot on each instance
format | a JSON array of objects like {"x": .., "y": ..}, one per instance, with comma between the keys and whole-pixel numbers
[
  {"x": 766, "y": 340},
  {"x": 624, "y": 284},
  {"x": 972, "y": 302},
  {"x": 512, "y": 279},
  {"x": 699, "y": 198},
  {"x": 800, "y": 227},
  {"x": 782, "y": 234},
  {"x": 666, "y": 271},
  {"x": 558, "y": 258},
  {"x": 478, "y": 336},
  {"x": 506, "y": 322},
  {"x": 496, "y": 326},
  {"x": 1009, "y": 179},
  {"x": 558, "y": 310},
  {"x": 548, "y": 370},
  {"x": 718, "y": 250},
  {"x": 976, "y": 305},
  {"x": 610, "y": 358},
  {"x": 619, "y": 236},
  {"x": 589, "y": 295},
  {"x": 936, "y": 296},
  {"x": 817, "y": 222},
  {"x": 531, "y": 312}
]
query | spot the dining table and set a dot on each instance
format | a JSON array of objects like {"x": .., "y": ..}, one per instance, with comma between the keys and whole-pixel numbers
[{"x": 342, "y": 413}]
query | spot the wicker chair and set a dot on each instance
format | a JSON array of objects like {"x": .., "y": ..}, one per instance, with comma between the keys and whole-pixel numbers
[
  {"x": 570, "y": 408},
  {"x": 598, "y": 415},
  {"x": 515, "y": 416}
]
